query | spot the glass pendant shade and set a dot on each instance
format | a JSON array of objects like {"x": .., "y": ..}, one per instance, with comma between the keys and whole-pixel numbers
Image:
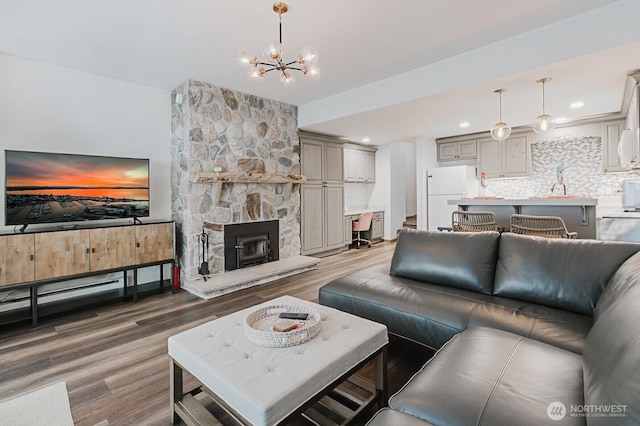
[
  {"x": 544, "y": 122},
  {"x": 500, "y": 131}
]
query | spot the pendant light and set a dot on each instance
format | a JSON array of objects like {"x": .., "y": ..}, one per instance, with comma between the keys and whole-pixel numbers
[
  {"x": 545, "y": 122},
  {"x": 501, "y": 130}
]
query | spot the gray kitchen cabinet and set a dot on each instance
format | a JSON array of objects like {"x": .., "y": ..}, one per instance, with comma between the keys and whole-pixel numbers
[
  {"x": 507, "y": 158},
  {"x": 611, "y": 134},
  {"x": 458, "y": 150},
  {"x": 322, "y": 196},
  {"x": 359, "y": 165}
]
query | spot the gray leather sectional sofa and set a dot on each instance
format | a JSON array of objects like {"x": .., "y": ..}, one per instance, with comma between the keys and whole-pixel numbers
[{"x": 528, "y": 330}]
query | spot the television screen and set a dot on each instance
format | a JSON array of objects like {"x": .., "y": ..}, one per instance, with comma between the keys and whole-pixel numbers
[{"x": 48, "y": 187}]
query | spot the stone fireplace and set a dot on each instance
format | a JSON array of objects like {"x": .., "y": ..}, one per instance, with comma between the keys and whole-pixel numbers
[{"x": 219, "y": 130}]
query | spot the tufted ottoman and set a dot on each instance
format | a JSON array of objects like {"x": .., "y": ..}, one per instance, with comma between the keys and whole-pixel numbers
[{"x": 266, "y": 386}]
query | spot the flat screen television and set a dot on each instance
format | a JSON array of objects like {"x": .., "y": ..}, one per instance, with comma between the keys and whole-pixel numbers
[{"x": 44, "y": 187}]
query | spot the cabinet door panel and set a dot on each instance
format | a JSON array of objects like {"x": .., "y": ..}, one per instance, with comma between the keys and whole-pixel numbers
[
  {"x": 62, "y": 253},
  {"x": 312, "y": 218},
  {"x": 312, "y": 162},
  {"x": 154, "y": 242},
  {"x": 112, "y": 247},
  {"x": 334, "y": 216},
  {"x": 370, "y": 167},
  {"x": 350, "y": 165},
  {"x": 377, "y": 228},
  {"x": 489, "y": 157},
  {"x": 467, "y": 149},
  {"x": 447, "y": 151},
  {"x": 515, "y": 157},
  {"x": 16, "y": 259},
  {"x": 333, "y": 167}
]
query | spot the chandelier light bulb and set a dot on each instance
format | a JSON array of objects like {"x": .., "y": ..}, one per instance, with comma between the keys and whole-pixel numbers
[
  {"x": 273, "y": 58},
  {"x": 256, "y": 73},
  {"x": 287, "y": 79},
  {"x": 312, "y": 73},
  {"x": 308, "y": 56},
  {"x": 247, "y": 59},
  {"x": 273, "y": 51}
]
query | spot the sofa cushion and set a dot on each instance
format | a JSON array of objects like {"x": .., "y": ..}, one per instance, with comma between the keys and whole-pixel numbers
[
  {"x": 431, "y": 314},
  {"x": 389, "y": 417},
  {"x": 612, "y": 350},
  {"x": 485, "y": 376},
  {"x": 565, "y": 274},
  {"x": 455, "y": 259}
]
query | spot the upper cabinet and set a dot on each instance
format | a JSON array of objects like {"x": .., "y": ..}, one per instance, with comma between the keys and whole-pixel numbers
[
  {"x": 458, "y": 150},
  {"x": 618, "y": 153},
  {"x": 322, "y": 162},
  {"x": 507, "y": 158},
  {"x": 359, "y": 165}
]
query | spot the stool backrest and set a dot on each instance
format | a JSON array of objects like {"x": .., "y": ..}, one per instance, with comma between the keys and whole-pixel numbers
[
  {"x": 541, "y": 226},
  {"x": 463, "y": 221}
]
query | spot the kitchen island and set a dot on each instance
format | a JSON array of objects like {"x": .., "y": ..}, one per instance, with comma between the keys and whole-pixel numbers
[{"x": 579, "y": 214}]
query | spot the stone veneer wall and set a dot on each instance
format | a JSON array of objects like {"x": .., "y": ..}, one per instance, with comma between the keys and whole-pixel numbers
[
  {"x": 581, "y": 156},
  {"x": 212, "y": 126}
]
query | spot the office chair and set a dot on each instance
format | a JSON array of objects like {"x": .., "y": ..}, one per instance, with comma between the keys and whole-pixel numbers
[
  {"x": 361, "y": 225},
  {"x": 541, "y": 226}
]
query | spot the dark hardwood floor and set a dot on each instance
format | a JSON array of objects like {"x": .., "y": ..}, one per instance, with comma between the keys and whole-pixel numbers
[{"x": 114, "y": 358}]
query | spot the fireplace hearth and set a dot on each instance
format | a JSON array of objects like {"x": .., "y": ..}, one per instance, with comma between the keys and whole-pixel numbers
[{"x": 250, "y": 243}]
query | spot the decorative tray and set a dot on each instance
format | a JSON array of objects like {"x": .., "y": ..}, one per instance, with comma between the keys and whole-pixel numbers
[{"x": 258, "y": 327}]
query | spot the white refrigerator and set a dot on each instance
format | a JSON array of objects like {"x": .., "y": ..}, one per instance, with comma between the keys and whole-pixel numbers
[{"x": 444, "y": 184}]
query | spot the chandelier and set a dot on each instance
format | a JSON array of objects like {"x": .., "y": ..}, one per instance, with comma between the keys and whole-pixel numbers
[
  {"x": 273, "y": 60},
  {"x": 545, "y": 122},
  {"x": 501, "y": 130}
]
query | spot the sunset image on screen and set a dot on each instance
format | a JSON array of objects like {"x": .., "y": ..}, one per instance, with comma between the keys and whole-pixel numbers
[{"x": 48, "y": 187}]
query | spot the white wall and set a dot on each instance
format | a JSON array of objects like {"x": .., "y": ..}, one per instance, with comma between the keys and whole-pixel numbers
[
  {"x": 410, "y": 178},
  {"x": 54, "y": 109}
]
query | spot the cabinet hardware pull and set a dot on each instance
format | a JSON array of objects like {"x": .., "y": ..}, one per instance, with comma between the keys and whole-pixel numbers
[
  {"x": 87, "y": 251},
  {"x": 93, "y": 249},
  {"x": 30, "y": 257}
]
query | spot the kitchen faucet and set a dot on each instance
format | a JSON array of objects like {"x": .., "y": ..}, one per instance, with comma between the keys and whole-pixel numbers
[{"x": 560, "y": 178}]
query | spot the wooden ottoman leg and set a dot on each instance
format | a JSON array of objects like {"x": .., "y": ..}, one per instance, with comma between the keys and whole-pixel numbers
[{"x": 382, "y": 384}]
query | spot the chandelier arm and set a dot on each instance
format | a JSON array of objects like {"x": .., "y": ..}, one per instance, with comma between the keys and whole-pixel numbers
[{"x": 294, "y": 68}]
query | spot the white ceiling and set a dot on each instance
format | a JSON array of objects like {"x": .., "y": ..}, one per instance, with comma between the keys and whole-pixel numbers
[{"x": 390, "y": 70}]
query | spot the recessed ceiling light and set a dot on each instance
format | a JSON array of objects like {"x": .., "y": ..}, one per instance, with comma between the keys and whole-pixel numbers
[
  {"x": 464, "y": 124},
  {"x": 365, "y": 140},
  {"x": 577, "y": 104}
]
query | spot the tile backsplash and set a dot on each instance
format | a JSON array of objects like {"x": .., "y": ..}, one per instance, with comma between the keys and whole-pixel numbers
[{"x": 583, "y": 175}]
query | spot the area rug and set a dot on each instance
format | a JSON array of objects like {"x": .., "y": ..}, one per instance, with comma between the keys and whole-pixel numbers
[{"x": 48, "y": 406}]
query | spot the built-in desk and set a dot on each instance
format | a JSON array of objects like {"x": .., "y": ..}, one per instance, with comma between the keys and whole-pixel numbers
[
  {"x": 579, "y": 214},
  {"x": 375, "y": 233}
]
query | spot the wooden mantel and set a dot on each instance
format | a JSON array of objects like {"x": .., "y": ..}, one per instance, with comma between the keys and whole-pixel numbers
[{"x": 209, "y": 177}]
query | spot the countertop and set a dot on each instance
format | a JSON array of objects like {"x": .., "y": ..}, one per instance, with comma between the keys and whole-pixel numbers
[
  {"x": 549, "y": 201},
  {"x": 353, "y": 210}
]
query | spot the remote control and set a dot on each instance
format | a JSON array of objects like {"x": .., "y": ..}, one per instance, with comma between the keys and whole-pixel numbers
[{"x": 294, "y": 315}]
